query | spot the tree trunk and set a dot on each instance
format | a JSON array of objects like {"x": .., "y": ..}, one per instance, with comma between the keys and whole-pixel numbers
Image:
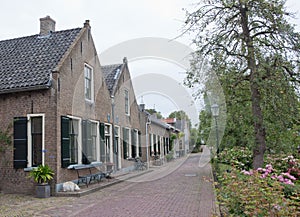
[{"x": 259, "y": 130}]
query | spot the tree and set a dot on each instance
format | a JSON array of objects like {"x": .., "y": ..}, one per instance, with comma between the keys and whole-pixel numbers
[
  {"x": 252, "y": 39},
  {"x": 153, "y": 111},
  {"x": 180, "y": 115}
]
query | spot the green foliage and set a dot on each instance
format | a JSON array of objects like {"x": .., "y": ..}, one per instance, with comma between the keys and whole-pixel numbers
[
  {"x": 5, "y": 139},
  {"x": 153, "y": 111},
  {"x": 242, "y": 195},
  {"x": 181, "y": 115},
  {"x": 42, "y": 174},
  {"x": 170, "y": 156},
  {"x": 238, "y": 157},
  {"x": 254, "y": 50}
]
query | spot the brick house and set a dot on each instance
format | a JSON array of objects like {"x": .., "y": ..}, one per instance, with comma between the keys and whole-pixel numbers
[
  {"x": 157, "y": 137},
  {"x": 55, "y": 104},
  {"x": 126, "y": 117}
]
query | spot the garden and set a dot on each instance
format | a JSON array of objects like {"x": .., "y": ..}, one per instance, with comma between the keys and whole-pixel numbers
[{"x": 273, "y": 190}]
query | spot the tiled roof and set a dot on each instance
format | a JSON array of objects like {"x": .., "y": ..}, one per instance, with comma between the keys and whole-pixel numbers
[
  {"x": 27, "y": 62},
  {"x": 111, "y": 74}
]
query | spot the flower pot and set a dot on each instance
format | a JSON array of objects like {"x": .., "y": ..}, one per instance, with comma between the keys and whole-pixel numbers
[{"x": 42, "y": 191}]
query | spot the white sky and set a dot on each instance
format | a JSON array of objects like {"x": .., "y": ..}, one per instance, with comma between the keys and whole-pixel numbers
[{"x": 113, "y": 22}]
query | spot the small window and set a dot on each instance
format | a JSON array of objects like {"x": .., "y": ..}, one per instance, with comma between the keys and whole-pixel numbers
[
  {"x": 126, "y": 102},
  {"x": 88, "y": 83}
]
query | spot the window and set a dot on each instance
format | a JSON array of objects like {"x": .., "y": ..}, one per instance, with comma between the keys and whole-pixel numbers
[
  {"x": 125, "y": 143},
  {"x": 70, "y": 140},
  {"x": 36, "y": 145},
  {"x": 88, "y": 83},
  {"x": 74, "y": 133},
  {"x": 126, "y": 102},
  {"x": 80, "y": 140},
  {"x": 29, "y": 141},
  {"x": 89, "y": 141},
  {"x": 108, "y": 148}
]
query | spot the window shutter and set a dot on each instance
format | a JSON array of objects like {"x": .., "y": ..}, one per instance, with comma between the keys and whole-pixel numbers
[
  {"x": 102, "y": 142},
  {"x": 125, "y": 143},
  {"x": 140, "y": 144},
  {"x": 133, "y": 143},
  {"x": 65, "y": 142},
  {"x": 20, "y": 142},
  {"x": 84, "y": 141},
  {"x": 158, "y": 144}
]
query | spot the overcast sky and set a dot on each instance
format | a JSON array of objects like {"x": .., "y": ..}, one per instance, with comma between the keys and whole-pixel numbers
[{"x": 114, "y": 22}]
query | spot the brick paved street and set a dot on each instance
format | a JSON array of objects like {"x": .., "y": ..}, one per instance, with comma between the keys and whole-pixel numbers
[{"x": 182, "y": 188}]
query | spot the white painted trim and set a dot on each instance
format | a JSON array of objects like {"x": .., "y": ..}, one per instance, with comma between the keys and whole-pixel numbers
[
  {"x": 110, "y": 141},
  {"x": 119, "y": 148},
  {"x": 137, "y": 142},
  {"x": 29, "y": 141},
  {"x": 97, "y": 140},
  {"x": 79, "y": 155},
  {"x": 92, "y": 100}
]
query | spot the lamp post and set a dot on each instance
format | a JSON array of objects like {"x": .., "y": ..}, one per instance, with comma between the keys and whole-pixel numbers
[
  {"x": 147, "y": 141},
  {"x": 115, "y": 151},
  {"x": 215, "y": 114}
]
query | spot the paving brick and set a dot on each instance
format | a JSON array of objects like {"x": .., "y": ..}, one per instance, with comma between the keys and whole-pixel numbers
[{"x": 180, "y": 188}]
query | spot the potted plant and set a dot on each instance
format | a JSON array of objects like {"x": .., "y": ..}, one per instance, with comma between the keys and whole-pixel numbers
[{"x": 42, "y": 175}]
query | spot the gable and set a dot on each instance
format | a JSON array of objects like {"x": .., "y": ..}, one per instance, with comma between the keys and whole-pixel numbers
[
  {"x": 26, "y": 63},
  {"x": 111, "y": 74}
]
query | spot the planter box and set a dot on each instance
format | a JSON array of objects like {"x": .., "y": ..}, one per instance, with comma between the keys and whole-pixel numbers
[{"x": 42, "y": 191}]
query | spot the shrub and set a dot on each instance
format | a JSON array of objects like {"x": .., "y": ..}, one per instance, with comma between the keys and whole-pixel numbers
[
  {"x": 239, "y": 157},
  {"x": 244, "y": 195}
]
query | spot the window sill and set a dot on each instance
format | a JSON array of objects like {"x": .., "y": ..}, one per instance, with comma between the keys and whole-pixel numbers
[
  {"x": 28, "y": 169},
  {"x": 89, "y": 102}
]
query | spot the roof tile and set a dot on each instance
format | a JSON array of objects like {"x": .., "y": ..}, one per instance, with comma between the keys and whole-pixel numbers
[{"x": 27, "y": 62}]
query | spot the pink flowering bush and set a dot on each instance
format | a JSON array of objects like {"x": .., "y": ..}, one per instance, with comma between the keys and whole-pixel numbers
[{"x": 252, "y": 195}]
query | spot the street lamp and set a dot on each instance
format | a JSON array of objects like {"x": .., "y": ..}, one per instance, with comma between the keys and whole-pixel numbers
[
  {"x": 215, "y": 114},
  {"x": 147, "y": 141}
]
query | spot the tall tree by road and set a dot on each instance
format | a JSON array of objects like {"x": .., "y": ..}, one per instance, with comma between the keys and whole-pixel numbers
[{"x": 254, "y": 39}]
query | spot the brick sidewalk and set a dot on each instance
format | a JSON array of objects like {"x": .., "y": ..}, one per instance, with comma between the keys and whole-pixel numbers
[{"x": 180, "y": 188}]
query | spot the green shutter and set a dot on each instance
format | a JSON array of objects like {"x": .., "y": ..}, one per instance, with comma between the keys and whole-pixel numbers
[
  {"x": 84, "y": 142},
  {"x": 65, "y": 142},
  {"x": 133, "y": 143},
  {"x": 158, "y": 143},
  {"x": 140, "y": 144},
  {"x": 102, "y": 142},
  {"x": 125, "y": 139},
  {"x": 20, "y": 142}
]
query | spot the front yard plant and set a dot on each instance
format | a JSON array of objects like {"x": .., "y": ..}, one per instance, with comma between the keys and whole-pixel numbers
[{"x": 273, "y": 190}]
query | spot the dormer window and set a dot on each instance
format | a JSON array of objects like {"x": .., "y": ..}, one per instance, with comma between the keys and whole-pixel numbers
[{"x": 88, "y": 83}]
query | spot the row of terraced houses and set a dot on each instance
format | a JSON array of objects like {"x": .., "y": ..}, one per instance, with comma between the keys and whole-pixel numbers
[{"x": 59, "y": 106}]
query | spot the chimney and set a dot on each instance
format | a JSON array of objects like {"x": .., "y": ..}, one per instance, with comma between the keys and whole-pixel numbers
[
  {"x": 142, "y": 107},
  {"x": 125, "y": 60},
  {"x": 47, "y": 25}
]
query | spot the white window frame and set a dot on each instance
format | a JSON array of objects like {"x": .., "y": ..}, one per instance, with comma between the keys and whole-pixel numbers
[
  {"x": 117, "y": 132},
  {"x": 136, "y": 131},
  {"x": 29, "y": 141},
  {"x": 97, "y": 140},
  {"x": 127, "y": 111},
  {"x": 79, "y": 138},
  {"x": 91, "y": 100},
  {"x": 110, "y": 141}
]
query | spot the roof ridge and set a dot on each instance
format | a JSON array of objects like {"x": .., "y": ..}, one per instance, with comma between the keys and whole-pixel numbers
[{"x": 37, "y": 35}]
